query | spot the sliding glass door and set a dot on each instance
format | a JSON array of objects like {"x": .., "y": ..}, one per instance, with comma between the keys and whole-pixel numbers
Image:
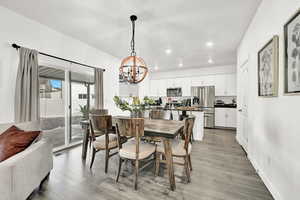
[
  {"x": 65, "y": 98},
  {"x": 79, "y": 109},
  {"x": 52, "y": 104},
  {"x": 80, "y": 101}
]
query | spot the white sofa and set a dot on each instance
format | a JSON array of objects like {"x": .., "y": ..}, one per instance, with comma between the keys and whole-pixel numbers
[{"x": 24, "y": 172}]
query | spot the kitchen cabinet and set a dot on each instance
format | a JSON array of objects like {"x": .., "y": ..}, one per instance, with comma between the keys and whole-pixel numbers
[
  {"x": 208, "y": 80},
  {"x": 231, "y": 117},
  {"x": 231, "y": 85},
  {"x": 220, "y": 117},
  {"x": 153, "y": 88},
  {"x": 184, "y": 84},
  {"x": 220, "y": 85},
  {"x": 225, "y": 84},
  {"x": 225, "y": 117},
  {"x": 158, "y": 88}
]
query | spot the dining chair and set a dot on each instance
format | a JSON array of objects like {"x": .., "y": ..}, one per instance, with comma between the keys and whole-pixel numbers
[
  {"x": 105, "y": 142},
  {"x": 95, "y": 111},
  {"x": 97, "y": 131},
  {"x": 157, "y": 114},
  {"x": 192, "y": 134},
  {"x": 181, "y": 148},
  {"x": 134, "y": 149}
]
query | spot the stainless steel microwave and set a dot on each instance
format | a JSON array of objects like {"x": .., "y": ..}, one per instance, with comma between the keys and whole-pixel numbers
[{"x": 174, "y": 92}]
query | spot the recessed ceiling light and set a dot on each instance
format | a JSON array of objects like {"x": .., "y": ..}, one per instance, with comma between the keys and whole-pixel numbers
[
  {"x": 168, "y": 51},
  {"x": 210, "y": 61},
  {"x": 210, "y": 44},
  {"x": 180, "y": 65},
  {"x": 156, "y": 68}
]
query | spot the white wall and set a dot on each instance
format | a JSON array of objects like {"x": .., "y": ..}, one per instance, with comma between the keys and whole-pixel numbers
[
  {"x": 23, "y": 31},
  {"x": 273, "y": 123}
]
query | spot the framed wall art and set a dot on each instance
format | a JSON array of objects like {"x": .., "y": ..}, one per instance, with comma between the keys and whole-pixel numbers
[
  {"x": 292, "y": 55},
  {"x": 268, "y": 62}
]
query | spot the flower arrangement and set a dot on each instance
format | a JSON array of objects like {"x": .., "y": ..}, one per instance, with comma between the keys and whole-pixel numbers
[{"x": 135, "y": 106}]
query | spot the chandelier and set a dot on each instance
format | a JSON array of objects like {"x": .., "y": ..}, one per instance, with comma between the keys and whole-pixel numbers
[{"x": 133, "y": 68}]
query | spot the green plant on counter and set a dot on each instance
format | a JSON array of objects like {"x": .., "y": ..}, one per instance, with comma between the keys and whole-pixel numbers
[
  {"x": 84, "y": 111},
  {"x": 135, "y": 106}
]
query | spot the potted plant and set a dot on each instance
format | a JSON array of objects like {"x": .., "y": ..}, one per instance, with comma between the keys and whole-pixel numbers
[
  {"x": 136, "y": 107},
  {"x": 84, "y": 111}
]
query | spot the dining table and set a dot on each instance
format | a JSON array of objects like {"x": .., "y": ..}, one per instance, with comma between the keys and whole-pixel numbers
[{"x": 166, "y": 130}]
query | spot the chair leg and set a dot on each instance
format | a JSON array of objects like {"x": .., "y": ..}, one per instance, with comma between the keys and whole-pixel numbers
[
  {"x": 157, "y": 163},
  {"x": 190, "y": 162},
  {"x": 119, "y": 171},
  {"x": 187, "y": 169},
  {"x": 192, "y": 137},
  {"x": 90, "y": 143},
  {"x": 106, "y": 160},
  {"x": 93, "y": 158},
  {"x": 136, "y": 174}
]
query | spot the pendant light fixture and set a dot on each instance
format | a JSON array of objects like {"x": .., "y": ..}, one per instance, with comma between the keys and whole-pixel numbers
[{"x": 133, "y": 68}]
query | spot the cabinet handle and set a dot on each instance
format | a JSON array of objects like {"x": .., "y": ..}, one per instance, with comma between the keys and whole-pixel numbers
[{"x": 240, "y": 110}]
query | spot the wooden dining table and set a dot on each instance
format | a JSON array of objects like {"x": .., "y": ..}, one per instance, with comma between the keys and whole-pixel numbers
[{"x": 167, "y": 130}]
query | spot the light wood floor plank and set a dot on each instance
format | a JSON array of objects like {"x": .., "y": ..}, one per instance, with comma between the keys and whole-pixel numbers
[{"x": 221, "y": 171}]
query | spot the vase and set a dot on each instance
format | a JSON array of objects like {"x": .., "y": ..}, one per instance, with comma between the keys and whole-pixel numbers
[{"x": 137, "y": 114}]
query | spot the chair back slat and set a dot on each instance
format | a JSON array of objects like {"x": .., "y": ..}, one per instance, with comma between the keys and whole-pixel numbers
[
  {"x": 99, "y": 112},
  {"x": 188, "y": 130},
  {"x": 131, "y": 127},
  {"x": 100, "y": 123},
  {"x": 157, "y": 114}
]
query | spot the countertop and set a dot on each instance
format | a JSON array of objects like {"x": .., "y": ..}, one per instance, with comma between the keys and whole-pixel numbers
[
  {"x": 194, "y": 109},
  {"x": 225, "y": 106}
]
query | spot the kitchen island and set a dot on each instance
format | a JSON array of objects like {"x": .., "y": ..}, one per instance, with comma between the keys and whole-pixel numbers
[{"x": 198, "y": 130}]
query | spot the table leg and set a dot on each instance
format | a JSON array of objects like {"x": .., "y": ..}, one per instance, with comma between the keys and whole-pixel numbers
[
  {"x": 169, "y": 162},
  {"x": 85, "y": 142}
]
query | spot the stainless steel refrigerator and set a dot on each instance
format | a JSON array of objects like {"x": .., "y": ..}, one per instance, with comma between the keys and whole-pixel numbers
[{"x": 204, "y": 97}]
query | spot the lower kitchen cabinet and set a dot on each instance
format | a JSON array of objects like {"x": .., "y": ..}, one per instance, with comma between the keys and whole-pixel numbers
[{"x": 225, "y": 117}]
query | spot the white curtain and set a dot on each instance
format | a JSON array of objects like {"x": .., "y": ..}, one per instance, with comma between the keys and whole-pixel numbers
[
  {"x": 27, "y": 106},
  {"x": 99, "y": 101}
]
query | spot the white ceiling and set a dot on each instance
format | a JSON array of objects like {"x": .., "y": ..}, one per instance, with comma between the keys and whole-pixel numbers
[{"x": 184, "y": 26}]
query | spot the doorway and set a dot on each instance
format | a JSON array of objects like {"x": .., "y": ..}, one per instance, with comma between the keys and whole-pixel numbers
[{"x": 242, "y": 104}]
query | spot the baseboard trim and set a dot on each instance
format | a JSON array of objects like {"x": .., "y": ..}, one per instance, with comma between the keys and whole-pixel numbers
[
  {"x": 242, "y": 143},
  {"x": 275, "y": 193}
]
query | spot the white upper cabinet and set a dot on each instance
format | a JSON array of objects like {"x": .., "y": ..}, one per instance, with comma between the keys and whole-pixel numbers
[
  {"x": 220, "y": 85},
  {"x": 184, "y": 84},
  {"x": 225, "y": 84},
  {"x": 157, "y": 88},
  {"x": 231, "y": 85},
  {"x": 197, "y": 81},
  {"x": 162, "y": 89},
  {"x": 208, "y": 80},
  {"x": 153, "y": 88}
]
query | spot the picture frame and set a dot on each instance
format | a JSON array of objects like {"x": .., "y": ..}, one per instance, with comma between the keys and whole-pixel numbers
[
  {"x": 292, "y": 55},
  {"x": 268, "y": 64}
]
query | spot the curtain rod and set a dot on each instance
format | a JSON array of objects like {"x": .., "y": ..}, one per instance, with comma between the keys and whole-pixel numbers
[{"x": 59, "y": 58}]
